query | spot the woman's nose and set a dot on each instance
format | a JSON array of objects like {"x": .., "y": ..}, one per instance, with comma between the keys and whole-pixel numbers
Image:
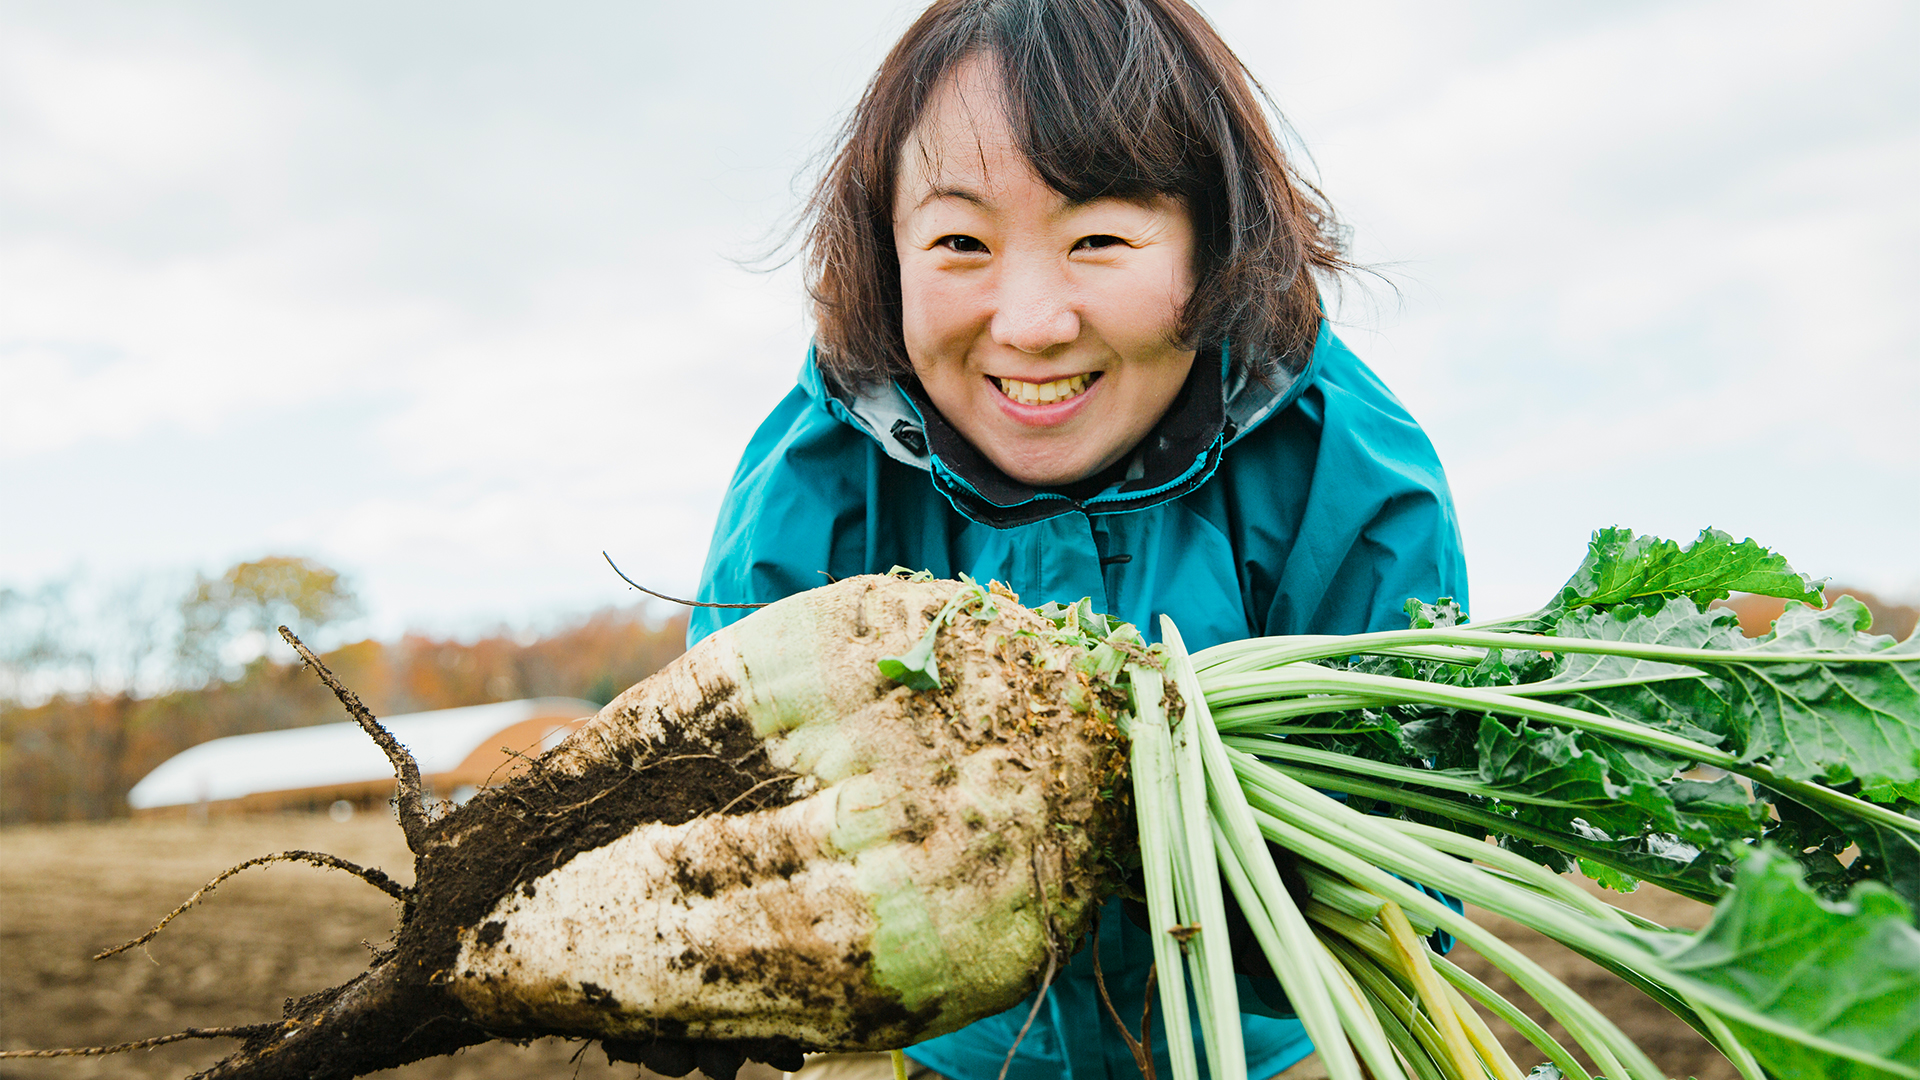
[{"x": 1034, "y": 310}]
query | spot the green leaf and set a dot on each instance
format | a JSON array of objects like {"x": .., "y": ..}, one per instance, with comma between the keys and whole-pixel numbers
[
  {"x": 1104, "y": 661},
  {"x": 1818, "y": 845},
  {"x": 1892, "y": 856},
  {"x": 1634, "y": 816},
  {"x": 1440, "y": 737},
  {"x": 1674, "y": 621},
  {"x": 1659, "y": 858},
  {"x": 1838, "y": 723},
  {"x": 1712, "y": 812},
  {"x": 1615, "y": 792},
  {"x": 1672, "y": 697},
  {"x": 1812, "y": 989},
  {"x": 1818, "y": 702},
  {"x": 1830, "y": 723},
  {"x": 916, "y": 668},
  {"x": 1607, "y": 876},
  {"x": 1442, "y": 612},
  {"x": 1622, "y": 568}
]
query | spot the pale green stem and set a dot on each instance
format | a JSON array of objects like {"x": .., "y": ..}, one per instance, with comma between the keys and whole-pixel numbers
[
  {"x": 1210, "y": 950},
  {"x": 1587, "y": 1026},
  {"x": 1460, "y": 812},
  {"x": 1263, "y": 653},
  {"x": 1372, "y": 1043},
  {"x": 1312, "y": 680},
  {"x": 1414, "y": 859},
  {"x": 1728, "y": 1044},
  {"x": 1297, "y": 972},
  {"x": 1281, "y": 750},
  {"x": 1369, "y": 863},
  {"x": 1518, "y": 867},
  {"x": 1603, "y": 950},
  {"x": 1153, "y": 795},
  {"x": 1378, "y": 981},
  {"x": 1237, "y": 717},
  {"x": 1508, "y": 1011}
]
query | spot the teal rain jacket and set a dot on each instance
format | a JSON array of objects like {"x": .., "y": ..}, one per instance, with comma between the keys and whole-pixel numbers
[{"x": 1309, "y": 505}]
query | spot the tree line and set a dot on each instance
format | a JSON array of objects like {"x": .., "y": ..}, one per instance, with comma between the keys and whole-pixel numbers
[{"x": 97, "y": 690}]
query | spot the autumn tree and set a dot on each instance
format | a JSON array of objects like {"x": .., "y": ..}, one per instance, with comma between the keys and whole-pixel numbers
[
  {"x": 229, "y": 620},
  {"x": 94, "y": 679}
]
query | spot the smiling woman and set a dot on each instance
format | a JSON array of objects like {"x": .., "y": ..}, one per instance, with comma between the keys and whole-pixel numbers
[
  {"x": 1069, "y": 337},
  {"x": 1101, "y": 105}
]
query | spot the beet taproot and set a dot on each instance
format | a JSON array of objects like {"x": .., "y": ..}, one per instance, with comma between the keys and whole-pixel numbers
[{"x": 766, "y": 848}]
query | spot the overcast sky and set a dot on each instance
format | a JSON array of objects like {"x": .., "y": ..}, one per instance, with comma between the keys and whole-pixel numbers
[{"x": 448, "y": 295}]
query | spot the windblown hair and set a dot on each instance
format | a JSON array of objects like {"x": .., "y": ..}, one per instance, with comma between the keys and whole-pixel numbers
[{"x": 1109, "y": 98}]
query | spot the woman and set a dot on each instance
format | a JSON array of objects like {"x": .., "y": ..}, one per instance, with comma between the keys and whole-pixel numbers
[{"x": 1069, "y": 337}]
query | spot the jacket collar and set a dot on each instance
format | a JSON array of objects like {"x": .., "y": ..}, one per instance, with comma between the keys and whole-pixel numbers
[{"x": 1215, "y": 409}]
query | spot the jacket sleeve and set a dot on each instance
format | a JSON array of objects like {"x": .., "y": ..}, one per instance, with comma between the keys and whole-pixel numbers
[
  {"x": 797, "y": 500},
  {"x": 1377, "y": 525}
]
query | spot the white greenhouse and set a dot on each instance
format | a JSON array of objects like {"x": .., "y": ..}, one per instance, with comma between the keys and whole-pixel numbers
[{"x": 315, "y": 768}]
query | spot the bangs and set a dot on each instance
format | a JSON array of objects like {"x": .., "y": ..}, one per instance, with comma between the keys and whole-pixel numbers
[{"x": 1100, "y": 101}]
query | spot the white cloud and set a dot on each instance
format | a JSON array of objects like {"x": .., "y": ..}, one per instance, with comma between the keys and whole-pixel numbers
[
  {"x": 445, "y": 304},
  {"x": 101, "y": 345},
  {"x": 100, "y": 125},
  {"x": 594, "y": 423},
  {"x": 1656, "y": 262}
]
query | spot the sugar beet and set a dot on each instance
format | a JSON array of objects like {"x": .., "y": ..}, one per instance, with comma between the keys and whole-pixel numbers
[{"x": 767, "y": 847}]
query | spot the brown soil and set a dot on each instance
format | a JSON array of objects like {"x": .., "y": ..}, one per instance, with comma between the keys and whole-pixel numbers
[
  {"x": 399, "y": 1010},
  {"x": 67, "y": 891},
  {"x": 547, "y": 816},
  {"x": 509, "y": 836}
]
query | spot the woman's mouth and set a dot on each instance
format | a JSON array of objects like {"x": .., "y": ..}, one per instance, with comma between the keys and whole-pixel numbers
[{"x": 1046, "y": 393}]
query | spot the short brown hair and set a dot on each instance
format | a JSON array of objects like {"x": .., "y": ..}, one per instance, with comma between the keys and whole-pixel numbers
[{"x": 1120, "y": 98}]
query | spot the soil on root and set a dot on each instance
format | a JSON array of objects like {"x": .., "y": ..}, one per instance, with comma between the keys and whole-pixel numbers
[
  {"x": 67, "y": 891},
  {"x": 1094, "y": 835},
  {"x": 398, "y": 1011},
  {"x": 506, "y": 838}
]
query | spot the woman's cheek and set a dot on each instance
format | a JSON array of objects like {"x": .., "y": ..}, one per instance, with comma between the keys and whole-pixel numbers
[
  {"x": 938, "y": 314},
  {"x": 1153, "y": 307}
]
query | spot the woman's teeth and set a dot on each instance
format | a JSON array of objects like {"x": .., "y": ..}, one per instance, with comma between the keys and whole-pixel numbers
[{"x": 1046, "y": 393}]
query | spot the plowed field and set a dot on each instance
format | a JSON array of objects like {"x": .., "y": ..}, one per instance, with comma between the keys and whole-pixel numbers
[{"x": 66, "y": 891}]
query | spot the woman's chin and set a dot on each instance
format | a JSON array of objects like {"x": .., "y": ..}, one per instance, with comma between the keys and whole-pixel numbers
[{"x": 1046, "y": 471}]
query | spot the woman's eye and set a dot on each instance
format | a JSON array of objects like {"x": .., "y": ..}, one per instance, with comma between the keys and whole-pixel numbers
[
  {"x": 965, "y": 245},
  {"x": 1095, "y": 243}
]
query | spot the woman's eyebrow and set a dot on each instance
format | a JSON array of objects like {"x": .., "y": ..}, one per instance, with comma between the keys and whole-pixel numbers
[
  {"x": 1066, "y": 208},
  {"x": 963, "y": 194}
]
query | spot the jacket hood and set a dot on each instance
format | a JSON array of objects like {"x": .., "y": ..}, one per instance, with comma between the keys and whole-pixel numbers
[{"x": 1216, "y": 407}]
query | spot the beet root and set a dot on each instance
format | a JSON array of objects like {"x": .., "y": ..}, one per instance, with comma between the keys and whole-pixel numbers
[{"x": 767, "y": 847}]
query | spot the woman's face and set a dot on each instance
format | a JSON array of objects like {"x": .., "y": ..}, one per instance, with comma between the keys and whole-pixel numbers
[{"x": 1041, "y": 329}]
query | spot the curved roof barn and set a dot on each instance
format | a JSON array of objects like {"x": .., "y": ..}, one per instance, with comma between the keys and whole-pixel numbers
[{"x": 315, "y": 766}]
